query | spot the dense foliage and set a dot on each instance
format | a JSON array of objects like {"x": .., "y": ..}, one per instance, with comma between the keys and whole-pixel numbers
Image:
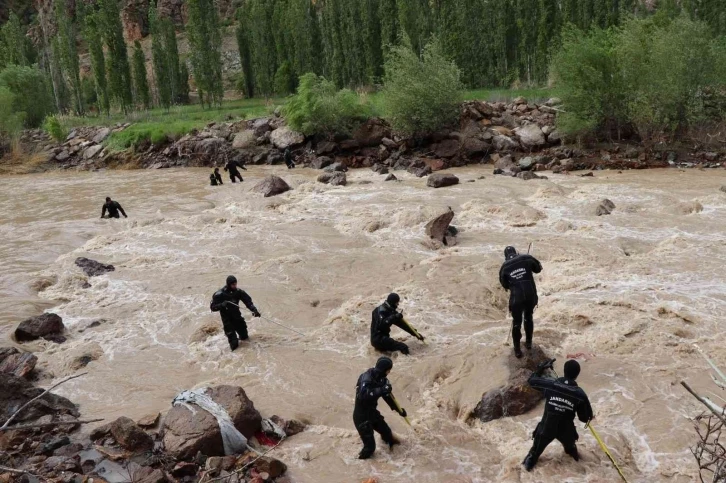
[{"x": 31, "y": 97}]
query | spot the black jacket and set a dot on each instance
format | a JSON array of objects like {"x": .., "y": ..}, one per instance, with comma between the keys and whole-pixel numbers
[
  {"x": 232, "y": 166},
  {"x": 563, "y": 400},
  {"x": 383, "y": 317},
  {"x": 113, "y": 208},
  {"x": 516, "y": 275},
  {"x": 371, "y": 385},
  {"x": 231, "y": 312}
]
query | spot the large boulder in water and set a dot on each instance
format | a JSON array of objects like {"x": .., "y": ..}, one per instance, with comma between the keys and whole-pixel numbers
[
  {"x": 333, "y": 179},
  {"x": 285, "y": 137},
  {"x": 441, "y": 180},
  {"x": 517, "y": 396},
  {"x": 438, "y": 228},
  {"x": 92, "y": 268},
  {"x": 47, "y": 326},
  {"x": 185, "y": 433},
  {"x": 16, "y": 391},
  {"x": 271, "y": 186}
]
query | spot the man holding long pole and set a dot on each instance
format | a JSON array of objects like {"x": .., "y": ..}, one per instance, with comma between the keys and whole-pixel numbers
[{"x": 226, "y": 301}]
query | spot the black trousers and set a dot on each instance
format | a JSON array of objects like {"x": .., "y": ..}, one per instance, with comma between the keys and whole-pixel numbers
[
  {"x": 523, "y": 312},
  {"x": 386, "y": 344},
  {"x": 366, "y": 427},
  {"x": 563, "y": 431},
  {"x": 233, "y": 328},
  {"x": 235, "y": 174}
]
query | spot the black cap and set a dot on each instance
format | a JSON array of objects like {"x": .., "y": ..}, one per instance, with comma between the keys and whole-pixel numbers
[
  {"x": 231, "y": 279},
  {"x": 510, "y": 252},
  {"x": 108, "y": 198},
  {"x": 572, "y": 369},
  {"x": 393, "y": 299},
  {"x": 384, "y": 364}
]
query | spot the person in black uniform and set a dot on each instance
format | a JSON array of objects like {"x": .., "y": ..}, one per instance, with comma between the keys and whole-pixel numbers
[
  {"x": 212, "y": 180},
  {"x": 288, "y": 159},
  {"x": 384, "y": 316},
  {"x": 563, "y": 400},
  {"x": 215, "y": 178},
  {"x": 232, "y": 166},
  {"x": 112, "y": 207},
  {"x": 226, "y": 301},
  {"x": 372, "y": 385},
  {"x": 516, "y": 275}
]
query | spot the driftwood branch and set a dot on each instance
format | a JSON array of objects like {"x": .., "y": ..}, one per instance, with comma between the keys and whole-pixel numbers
[
  {"x": 50, "y": 425},
  {"x": 242, "y": 470},
  {"x": 5, "y": 469},
  {"x": 15, "y": 414},
  {"x": 706, "y": 402}
]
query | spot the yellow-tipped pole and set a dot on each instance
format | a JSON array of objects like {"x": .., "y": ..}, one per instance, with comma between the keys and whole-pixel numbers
[
  {"x": 398, "y": 406},
  {"x": 415, "y": 332},
  {"x": 605, "y": 449}
]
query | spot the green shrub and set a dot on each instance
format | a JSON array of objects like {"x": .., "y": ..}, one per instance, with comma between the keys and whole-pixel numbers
[
  {"x": 53, "y": 126},
  {"x": 10, "y": 122},
  {"x": 284, "y": 79},
  {"x": 148, "y": 132},
  {"x": 319, "y": 108},
  {"x": 420, "y": 94},
  {"x": 31, "y": 93}
]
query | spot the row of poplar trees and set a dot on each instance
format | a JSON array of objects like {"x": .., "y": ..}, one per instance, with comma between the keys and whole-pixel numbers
[{"x": 494, "y": 43}]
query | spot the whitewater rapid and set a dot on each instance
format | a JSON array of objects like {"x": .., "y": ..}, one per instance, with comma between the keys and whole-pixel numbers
[{"x": 634, "y": 290}]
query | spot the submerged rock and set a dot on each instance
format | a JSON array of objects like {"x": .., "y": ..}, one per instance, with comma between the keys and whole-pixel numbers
[
  {"x": 92, "y": 268},
  {"x": 441, "y": 180},
  {"x": 438, "y": 228},
  {"x": 333, "y": 179},
  {"x": 605, "y": 207},
  {"x": 517, "y": 396}
]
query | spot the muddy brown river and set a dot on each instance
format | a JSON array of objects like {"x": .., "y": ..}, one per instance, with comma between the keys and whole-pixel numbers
[{"x": 634, "y": 291}]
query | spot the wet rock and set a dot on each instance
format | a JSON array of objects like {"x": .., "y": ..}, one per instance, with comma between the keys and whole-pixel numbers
[
  {"x": 149, "y": 475},
  {"x": 205, "y": 332},
  {"x": 325, "y": 147},
  {"x": 85, "y": 355},
  {"x": 129, "y": 436},
  {"x": 185, "y": 433},
  {"x": 59, "y": 464},
  {"x": 441, "y": 180},
  {"x": 271, "y": 186},
  {"x": 420, "y": 172},
  {"x": 516, "y": 397},
  {"x": 19, "y": 364},
  {"x": 321, "y": 162},
  {"x": 271, "y": 466},
  {"x": 529, "y": 175},
  {"x": 438, "y": 228},
  {"x": 474, "y": 146},
  {"x": 336, "y": 167},
  {"x": 149, "y": 421},
  {"x": 526, "y": 163},
  {"x": 184, "y": 469},
  {"x": 531, "y": 136},
  {"x": 244, "y": 139},
  {"x": 447, "y": 148},
  {"x": 371, "y": 133},
  {"x": 101, "y": 135},
  {"x": 100, "y": 432},
  {"x": 391, "y": 177},
  {"x": 380, "y": 168},
  {"x": 92, "y": 268},
  {"x": 723, "y": 188},
  {"x": 46, "y": 326},
  {"x": 605, "y": 207},
  {"x": 291, "y": 427},
  {"x": 48, "y": 448},
  {"x": 62, "y": 156},
  {"x": 333, "y": 179},
  {"x": 504, "y": 143},
  {"x": 389, "y": 143},
  {"x": 92, "y": 151},
  {"x": 285, "y": 137}
]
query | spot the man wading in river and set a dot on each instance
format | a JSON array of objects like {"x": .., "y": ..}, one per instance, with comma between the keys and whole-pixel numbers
[
  {"x": 372, "y": 385},
  {"x": 226, "y": 301},
  {"x": 563, "y": 399},
  {"x": 384, "y": 316},
  {"x": 232, "y": 166},
  {"x": 516, "y": 275},
  {"x": 112, "y": 207},
  {"x": 215, "y": 178}
]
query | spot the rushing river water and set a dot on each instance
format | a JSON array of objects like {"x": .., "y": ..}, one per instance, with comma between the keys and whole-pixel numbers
[{"x": 634, "y": 290}]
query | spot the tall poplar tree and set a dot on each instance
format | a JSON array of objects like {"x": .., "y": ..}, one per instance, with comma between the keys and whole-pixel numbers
[
  {"x": 119, "y": 71},
  {"x": 141, "y": 83},
  {"x": 68, "y": 41},
  {"x": 205, "y": 42}
]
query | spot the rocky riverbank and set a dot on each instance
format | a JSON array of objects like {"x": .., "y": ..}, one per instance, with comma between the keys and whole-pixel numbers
[{"x": 519, "y": 136}]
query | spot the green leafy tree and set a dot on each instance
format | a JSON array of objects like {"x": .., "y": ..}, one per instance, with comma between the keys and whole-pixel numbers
[
  {"x": 14, "y": 45},
  {"x": 319, "y": 108},
  {"x": 98, "y": 61},
  {"x": 245, "y": 54},
  {"x": 183, "y": 83},
  {"x": 159, "y": 61},
  {"x": 420, "y": 94},
  {"x": 67, "y": 41},
  {"x": 119, "y": 71},
  {"x": 284, "y": 79},
  {"x": 31, "y": 96},
  {"x": 11, "y": 122},
  {"x": 205, "y": 42},
  {"x": 140, "y": 81}
]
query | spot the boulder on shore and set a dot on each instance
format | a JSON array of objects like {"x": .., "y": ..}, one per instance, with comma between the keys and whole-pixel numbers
[
  {"x": 186, "y": 433},
  {"x": 47, "y": 326},
  {"x": 271, "y": 186},
  {"x": 92, "y": 268},
  {"x": 516, "y": 397},
  {"x": 285, "y": 137},
  {"x": 16, "y": 391},
  {"x": 17, "y": 363},
  {"x": 130, "y": 436},
  {"x": 441, "y": 180}
]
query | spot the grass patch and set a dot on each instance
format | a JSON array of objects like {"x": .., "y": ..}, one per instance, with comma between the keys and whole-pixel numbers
[
  {"x": 149, "y": 132},
  {"x": 536, "y": 95}
]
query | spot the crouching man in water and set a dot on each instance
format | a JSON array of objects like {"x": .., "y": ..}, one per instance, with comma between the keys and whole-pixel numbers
[
  {"x": 516, "y": 275},
  {"x": 372, "y": 385},
  {"x": 215, "y": 179},
  {"x": 384, "y": 316},
  {"x": 112, "y": 207},
  {"x": 563, "y": 400},
  {"x": 226, "y": 301}
]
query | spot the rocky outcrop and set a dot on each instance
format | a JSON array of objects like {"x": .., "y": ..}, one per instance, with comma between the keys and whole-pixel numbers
[
  {"x": 441, "y": 180},
  {"x": 130, "y": 436},
  {"x": 516, "y": 397},
  {"x": 16, "y": 391},
  {"x": 47, "y": 326},
  {"x": 19, "y": 364},
  {"x": 271, "y": 186},
  {"x": 92, "y": 268},
  {"x": 285, "y": 137},
  {"x": 186, "y": 433}
]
